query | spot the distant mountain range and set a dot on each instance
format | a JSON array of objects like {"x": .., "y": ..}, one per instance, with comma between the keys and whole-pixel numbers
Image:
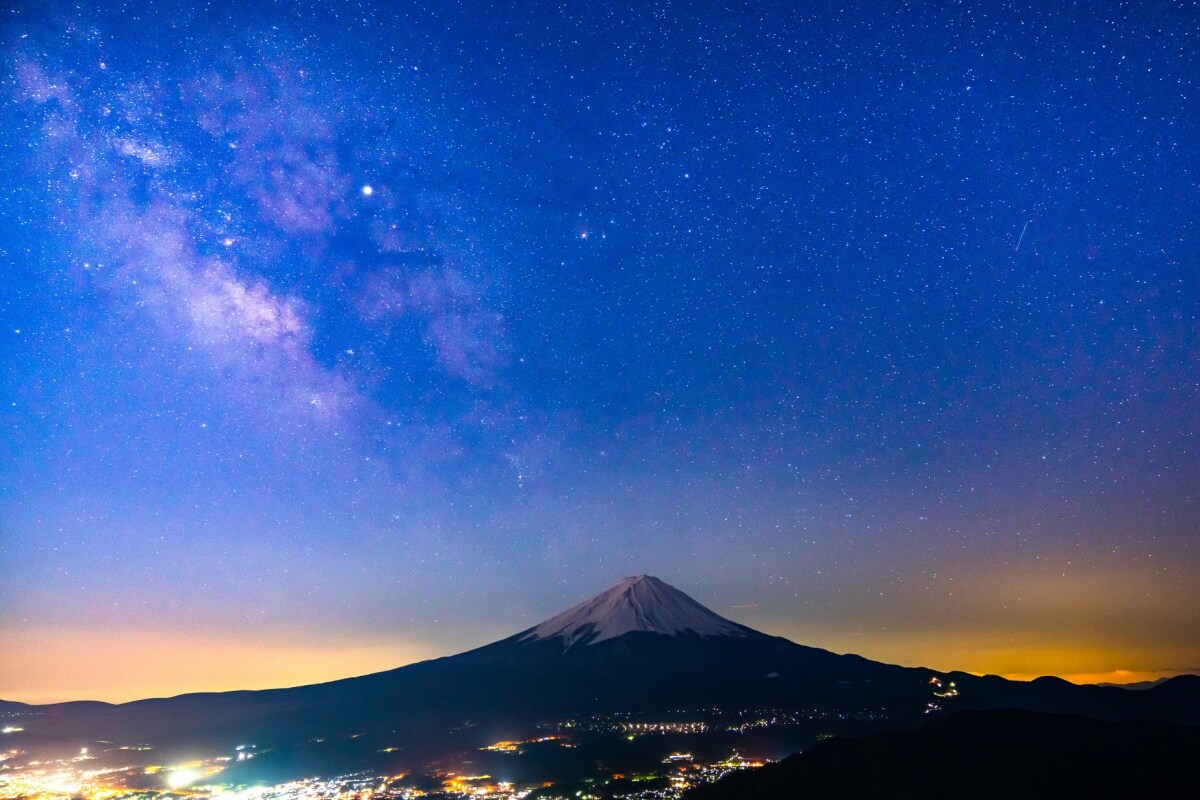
[{"x": 640, "y": 647}]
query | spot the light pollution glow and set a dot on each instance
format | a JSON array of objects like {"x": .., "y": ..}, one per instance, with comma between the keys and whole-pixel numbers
[
  {"x": 169, "y": 664},
  {"x": 1051, "y": 631}
]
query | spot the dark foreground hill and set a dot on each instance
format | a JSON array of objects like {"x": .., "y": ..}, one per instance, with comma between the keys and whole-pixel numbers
[{"x": 986, "y": 754}]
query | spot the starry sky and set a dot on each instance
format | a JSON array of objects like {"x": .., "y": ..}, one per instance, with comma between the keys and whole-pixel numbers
[{"x": 339, "y": 335}]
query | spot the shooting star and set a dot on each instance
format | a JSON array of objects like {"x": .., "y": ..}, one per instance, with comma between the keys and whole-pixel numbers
[{"x": 1021, "y": 238}]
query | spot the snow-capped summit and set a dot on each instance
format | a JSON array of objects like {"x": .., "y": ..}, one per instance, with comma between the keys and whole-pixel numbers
[{"x": 642, "y": 603}]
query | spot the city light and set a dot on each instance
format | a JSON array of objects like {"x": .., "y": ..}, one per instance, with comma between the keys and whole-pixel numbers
[{"x": 179, "y": 778}]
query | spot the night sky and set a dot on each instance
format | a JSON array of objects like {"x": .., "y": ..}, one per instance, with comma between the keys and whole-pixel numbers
[{"x": 338, "y": 335}]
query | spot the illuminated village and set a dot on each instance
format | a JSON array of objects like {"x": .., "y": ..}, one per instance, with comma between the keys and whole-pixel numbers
[
  {"x": 70, "y": 779},
  {"x": 81, "y": 777}
]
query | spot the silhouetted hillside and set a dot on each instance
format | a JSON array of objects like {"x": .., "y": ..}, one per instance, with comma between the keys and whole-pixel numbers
[{"x": 986, "y": 754}]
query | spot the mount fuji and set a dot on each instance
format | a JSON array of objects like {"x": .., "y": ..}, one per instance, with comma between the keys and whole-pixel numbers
[
  {"x": 641, "y": 604},
  {"x": 641, "y": 647}
]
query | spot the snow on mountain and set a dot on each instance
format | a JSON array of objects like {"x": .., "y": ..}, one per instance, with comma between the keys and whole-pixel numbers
[{"x": 641, "y": 603}]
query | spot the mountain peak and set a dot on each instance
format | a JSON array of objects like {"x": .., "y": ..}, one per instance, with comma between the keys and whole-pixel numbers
[{"x": 640, "y": 603}]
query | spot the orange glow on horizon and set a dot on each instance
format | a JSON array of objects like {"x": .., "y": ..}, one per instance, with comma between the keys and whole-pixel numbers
[
  {"x": 121, "y": 666},
  {"x": 1115, "y": 676},
  {"x": 1108, "y": 625},
  {"x": 982, "y": 652},
  {"x": 124, "y": 665}
]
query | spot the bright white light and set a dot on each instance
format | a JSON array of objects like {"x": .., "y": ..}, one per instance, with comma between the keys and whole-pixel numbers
[
  {"x": 368, "y": 190},
  {"x": 179, "y": 778},
  {"x": 63, "y": 783}
]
